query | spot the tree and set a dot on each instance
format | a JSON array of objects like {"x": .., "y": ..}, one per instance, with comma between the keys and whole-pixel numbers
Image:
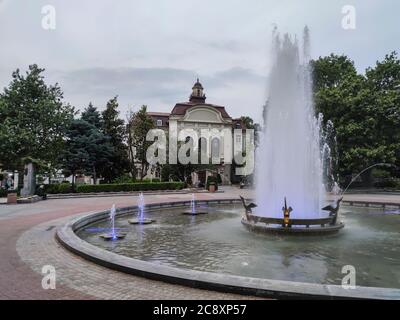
[
  {"x": 87, "y": 150},
  {"x": 140, "y": 124},
  {"x": 33, "y": 120},
  {"x": 248, "y": 122},
  {"x": 100, "y": 153},
  {"x": 364, "y": 110},
  {"x": 329, "y": 72},
  {"x": 75, "y": 157},
  {"x": 115, "y": 129},
  {"x": 92, "y": 116}
]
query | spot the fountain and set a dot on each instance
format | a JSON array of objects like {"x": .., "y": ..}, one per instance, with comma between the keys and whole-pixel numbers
[
  {"x": 140, "y": 214},
  {"x": 113, "y": 235},
  {"x": 193, "y": 210},
  {"x": 289, "y": 161}
]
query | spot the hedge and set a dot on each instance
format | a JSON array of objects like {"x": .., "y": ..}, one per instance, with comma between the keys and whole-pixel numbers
[
  {"x": 118, "y": 187},
  {"x": 58, "y": 188},
  {"x": 3, "y": 193},
  {"x": 388, "y": 183}
]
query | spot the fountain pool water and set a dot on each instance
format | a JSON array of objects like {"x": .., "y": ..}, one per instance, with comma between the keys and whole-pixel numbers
[{"x": 216, "y": 242}]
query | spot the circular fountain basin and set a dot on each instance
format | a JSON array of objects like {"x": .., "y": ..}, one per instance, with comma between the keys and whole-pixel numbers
[
  {"x": 215, "y": 252},
  {"x": 141, "y": 221},
  {"x": 315, "y": 227}
]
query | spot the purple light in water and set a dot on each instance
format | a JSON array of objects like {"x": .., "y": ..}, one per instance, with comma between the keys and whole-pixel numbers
[
  {"x": 193, "y": 204},
  {"x": 141, "y": 207},
  {"x": 112, "y": 217}
]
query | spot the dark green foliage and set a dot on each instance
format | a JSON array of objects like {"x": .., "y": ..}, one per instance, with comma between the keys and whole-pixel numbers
[
  {"x": 3, "y": 193},
  {"x": 212, "y": 180},
  {"x": 87, "y": 149},
  {"x": 365, "y": 111},
  {"x": 139, "y": 125},
  {"x": 92, "y": 116},
  {"x": 33, "y": 120},
  {"x": 58, "y": 188},
  {"x": 114, "y": 128},
  {"x": 140, "y": 186}
]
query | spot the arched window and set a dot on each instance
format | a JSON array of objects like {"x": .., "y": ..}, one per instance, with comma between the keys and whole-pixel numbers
[
  {"x": 203, "y": 151},
  {"x": 215, "y": 148}
]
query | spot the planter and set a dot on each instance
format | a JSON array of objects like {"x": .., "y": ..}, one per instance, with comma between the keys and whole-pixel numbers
[
  {"x": 12, "y": 198},
  {"x": 212, "y": 187}
]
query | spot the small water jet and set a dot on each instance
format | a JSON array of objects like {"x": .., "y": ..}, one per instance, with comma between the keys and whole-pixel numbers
[
  {"x": 113, "y": 235},
  {"x": 140, "y": 214},
  {"x": 193, "y": 210}
]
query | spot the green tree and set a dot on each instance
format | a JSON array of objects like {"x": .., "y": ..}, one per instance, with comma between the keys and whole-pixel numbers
[
  {"x": 140, "y": 124},
  {"x": 87, "y": 150},
  {"x": 75, "y": 157},
  {"x": 248, "y": 122},
  {"x": 33, "y": 120},
  {"x": 114, "y": 127},
  {"x": 364, "y": 110},
  {"x": 92, "y": 116}
]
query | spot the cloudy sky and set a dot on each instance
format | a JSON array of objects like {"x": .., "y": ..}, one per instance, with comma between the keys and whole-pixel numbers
[{"x": 150, "y": 52}]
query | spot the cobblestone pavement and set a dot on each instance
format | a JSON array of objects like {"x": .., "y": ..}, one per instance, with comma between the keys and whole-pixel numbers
[{"x": 27, "y": 243}]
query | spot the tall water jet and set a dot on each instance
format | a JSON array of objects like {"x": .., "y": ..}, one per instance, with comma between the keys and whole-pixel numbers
[{"x": 289, "y": 157}]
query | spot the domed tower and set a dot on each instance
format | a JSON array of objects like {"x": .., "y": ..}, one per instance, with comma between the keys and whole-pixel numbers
[{"x": 197, "y": 95}]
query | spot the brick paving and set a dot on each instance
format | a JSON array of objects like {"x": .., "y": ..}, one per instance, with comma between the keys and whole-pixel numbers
[
  {"x": 27, "y": 243},
  {"x": 20, "y": 278}
]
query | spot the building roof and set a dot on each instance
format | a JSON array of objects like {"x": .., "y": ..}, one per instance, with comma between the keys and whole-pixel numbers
[
  {"x": 159, "y": 114},
  {"x": 182, "y": 107}
]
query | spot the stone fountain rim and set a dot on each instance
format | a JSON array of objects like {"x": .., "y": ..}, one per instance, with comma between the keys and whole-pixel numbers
[{"x": 280, "y": 289}]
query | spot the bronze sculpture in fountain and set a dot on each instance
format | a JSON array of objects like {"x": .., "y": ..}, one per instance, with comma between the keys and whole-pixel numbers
[
  {"x": 248, "y": 208},
  {"x": 288, "y": 225},
  {"x": 286, "y": 215},
  {"x": 333, "y": 211}
]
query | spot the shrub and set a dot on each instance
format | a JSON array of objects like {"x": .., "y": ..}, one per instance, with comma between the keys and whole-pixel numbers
[
  {"x": 149, "y": 180},
  {"x": 3, "y": 193},
  {"x": 120, "y": 187},
  {"x": 126, "y": 178},
  {"x": 212, "y": 179},
  {"x": 387, "y": 183},
  {"x": 58, "y": 188}
]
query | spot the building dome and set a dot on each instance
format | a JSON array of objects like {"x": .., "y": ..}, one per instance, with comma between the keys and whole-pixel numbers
[
  {"x": 197, "y": 93},
  {"x": 197, "y": 85}
]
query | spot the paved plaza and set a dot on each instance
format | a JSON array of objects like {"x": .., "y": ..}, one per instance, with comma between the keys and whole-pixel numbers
[{"x": 27, "y": 243}]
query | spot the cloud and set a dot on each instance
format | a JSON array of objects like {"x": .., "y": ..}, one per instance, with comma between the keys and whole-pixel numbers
[
  {"x": 159, "y": 88},
  {"x": 150, "y": 52}
]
